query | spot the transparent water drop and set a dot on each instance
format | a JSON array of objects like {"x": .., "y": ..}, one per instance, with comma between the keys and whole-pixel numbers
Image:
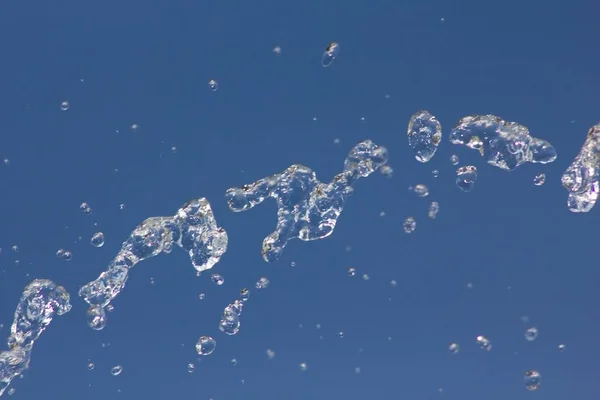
[
  {"x": 303, "y": 367},
  {"x": 97, "y": 240},
  {"x": 262, "y": 283},
  {"x": 434, "y": 208},
  {"x": 341, "y": 335},
  {"x": 217, "y": 279},
  {"x": 85, "y": 207},
  {"x": 454, "y": 159},
  {"x": 116, "y": 370},
  {"x": 134, "y": 128},
  {"x": 270, "y": 354},
  {"x": 454, "y": 348},
  {"x": 331, "y": 52},
  {"x": 15, "y": 248},
  {"x": 213, "y": 85},
  {"x": 96, "y": 318},
  {"x": 351, "y": 271},
  {"x": 191, "y": 367},
  {"x": 11, "y": 391},
  {"x": 64, "y": 255},
  {"x": 393, "y": 283},
  {"x": 206, "y": 345},
  {"x": 409, "y": 225},
  {"x": 532, "y": 380},
  {"x": 366, "y": 277},
  {"x": 435, "y": 173},
  {"x": 277, "y": 50},
  {"x": 91, "y": 366},
  {"x": 121, "y": 206},
  {"x": 531, "y": 334},
  {"x": 539, "y": 179},
  {"x": 466, "y": 177},
  {"x": 64, "y": 106}
]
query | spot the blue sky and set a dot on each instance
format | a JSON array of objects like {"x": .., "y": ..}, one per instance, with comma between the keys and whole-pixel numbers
[{"x": 149, "y": 64}]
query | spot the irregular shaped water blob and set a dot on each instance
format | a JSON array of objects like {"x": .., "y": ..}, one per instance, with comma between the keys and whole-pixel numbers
[
  {"x": 424, "y": 135},
  {"x": 206, "y": 345},
  {"x": 193, "y": 228},
  {"x": 505, "y": 145},
  {"x": 531, "y": 334},
  {"x": 230, "y": 320},
  {"x": 581, "y": 178},
  {"x": 331, "y": 52},
  {"x": 96, "y": 318},
  {"x": 213, "y": 85},
  {"x": 532, "y": 380},
  {"x": 40, "y": 302},
  {"x": 307, "y": 208},
  {"x": 434, "y": 208},
  {"x": 454, "y": 348},
  {"x": 466, "y": 177},
  {"x": 410, "y": 224},
  {"x": 484, "y": 343}
]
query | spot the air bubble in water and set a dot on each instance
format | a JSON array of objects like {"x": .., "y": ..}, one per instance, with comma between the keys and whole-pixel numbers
[
  {"x": 270, "y": 354},
  {"x": 213, "y": 85},
  {"x": 303, "y": 367},
  {"x": 116, "y": 370},
  {"x": 217, "y": 279},
  {"x": 532, "y": 380},
  {"x": 96, "y": 318},
  {"x": 64, "y": 106},
  {"x": 421, "y": 190},
  {"x": 561, "y": 347},
  {"x": 206, "y": 345},
  {"x": 201, "y": 296},
  {"x": 539, "y": 179},
  {"x": 466, "y": 177},
  {"x": 98, "y": 239},
  {"x": 484, "y": 343},
  {"x": 531, "y": 334},
  {"x": 435, "y": 173},
  {"x": 386, "y": 171},
  {"x": 262, "y": 283},
  {"x": 454, "y": 348},
  {"x": 331, "y": 52},
  {"x": 409, "y": 225}
]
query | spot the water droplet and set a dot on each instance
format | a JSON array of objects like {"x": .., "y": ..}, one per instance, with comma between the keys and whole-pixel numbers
[
  {"x": 466, "y": 177},
  {"x": 217, "y": 279},
  {"x": 262, "y": 283},
  {"x": 64, "y": 106},
  {"x": 15, "y": 248},
  {"x": 213, "y": 85},
  {"x": 121, "y": 206},
  {"x": 277, "y": 50},
  {"x": 116, "y": 370},
  {"x": 531, "y": 334},
  {"x": 424, "y": 135},
  {"x": 201, "y": 296},
  {"x": 6, "y": 161},
  {"x": 386, "y": 171},
  {"x": 454, "y": 159},
  {"x": 454, "y": 348},
  {"x": 365, "y": 277},
  {"x": 351, "y": 271},
  {"x": 206, "y": 345},
  {"x": 91, "y": 366},
  {"x": 357, "y": 370},
  {"x": 96, "y": 318},
  {"x": 409, "y": 225},
  {"x": 532, "y": 380},
  {"x": 434, "y": 208},
  {"x": 539, "y": 179},
  {"x": 191, "y": 367},
  {"x": 562, "y": 347},
  {"x": 435, "y": 173},
  {"x": 98, "y": 239},
  {"x": 421, "y": 190},
  {"x": 484, "y": 343},
  {"x": 341, "y": 335},
  {"x": 134, "y": 128},
  {"x": 270, "y": 354},
  {"x": 64, "y": 255},
  {"x": 234, "y": 362},
  {"x": 303, "y": 367},
  {"x": 331, "y": 52}
]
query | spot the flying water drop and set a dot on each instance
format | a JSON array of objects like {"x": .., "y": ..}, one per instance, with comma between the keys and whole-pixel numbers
[
  {"x": 331, "y": 52},
  {"x": 466, "y": 177},
  {"x": 532, "y": 380},
  {"x": 98, "y": 239},
  {"x": 424, "y": 135},
  {"x": 206, "y": 345},
  {"x": 96, "y": 318}
]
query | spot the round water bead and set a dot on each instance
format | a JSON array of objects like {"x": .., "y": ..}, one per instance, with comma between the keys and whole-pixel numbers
[
  {"x": 351, "y": 271},
  {"x": 206, "y": 345},
  {"x": 64, "y": 106},
  {"x": 531, "y": 334},
  {"x": 91, "y": 366},
  {"x": 454, "y": 348},
  {"x": 454, "y": 159},
  {"x": 98, "y": 239},
  {"x": 484, "y": 343},
  {"x": 421, "y": 190},
  {"x": 561, "y": 347},
  {"x": 466, "y": 177},
  {"x": 435, "y": 173},
  {"x": 539, "y": 179},
  {"x": 116, "y": 370},
  {"x": 201, "y": 296},
  {"x": 331, "y": 52},
  {"x": 218, "y": 279},
  {"x": 262, "y": 283},
  {"x": 213, "y": 85},
  {"x": 303, "y": 367},
  {"x": 96, "y": 318},
  {"x": 409, "y": 225},
  {"x": 532, "y": 380}
]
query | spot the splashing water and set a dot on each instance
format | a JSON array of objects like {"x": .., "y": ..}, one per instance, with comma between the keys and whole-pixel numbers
[
  {"x": 307, "y": 208},
  {"x": 40, "y": 301},
  {"x": 505, "y": 145},
  {"x": 581, "y": 178},
  {"x": 193, "y": 228}
]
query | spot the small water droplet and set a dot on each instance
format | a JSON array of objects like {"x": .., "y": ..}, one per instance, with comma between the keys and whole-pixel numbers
[{"x": 97, "y": 240}]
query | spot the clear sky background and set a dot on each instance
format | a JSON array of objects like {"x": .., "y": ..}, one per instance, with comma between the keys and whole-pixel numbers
[{"x": 120, "y": 63}]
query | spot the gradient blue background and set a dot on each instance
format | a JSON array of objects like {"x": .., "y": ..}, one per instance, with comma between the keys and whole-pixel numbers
[{"x": 148, "y": 63}]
